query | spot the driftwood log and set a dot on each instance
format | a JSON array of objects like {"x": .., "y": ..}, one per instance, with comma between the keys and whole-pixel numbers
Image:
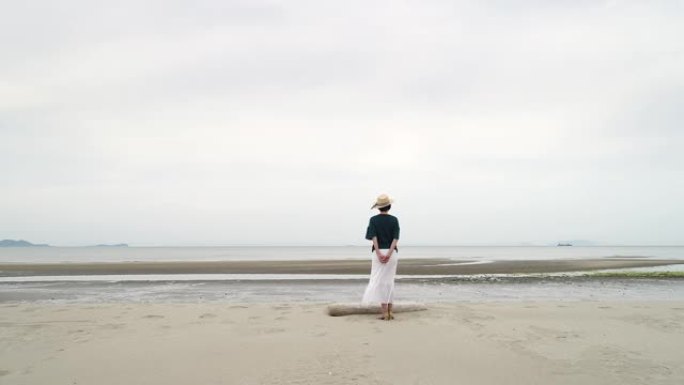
[{"x": 340, "y": 309}]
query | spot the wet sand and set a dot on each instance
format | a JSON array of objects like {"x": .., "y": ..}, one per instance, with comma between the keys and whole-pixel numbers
[
  {"x": 611, "y": 343},
  {"x": 406, "y": 267}
]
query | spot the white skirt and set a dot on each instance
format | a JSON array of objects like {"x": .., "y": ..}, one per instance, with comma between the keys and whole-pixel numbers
[{"x": 381, "y": 285}]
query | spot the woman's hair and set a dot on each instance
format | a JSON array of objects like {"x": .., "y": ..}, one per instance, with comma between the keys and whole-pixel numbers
[{"x": 385, "y": 209}]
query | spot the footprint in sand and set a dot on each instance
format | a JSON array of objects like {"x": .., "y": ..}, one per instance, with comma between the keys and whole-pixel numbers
[
  {"x": 207, "y": 315},
  {"x": 4, "y": 372},
  {"x": 153, "y": 316}
]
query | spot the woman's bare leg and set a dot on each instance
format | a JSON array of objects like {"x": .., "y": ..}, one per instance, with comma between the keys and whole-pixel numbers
[
  {"x": 385, "y": 312},
  {"x": 390, "y": 316}
]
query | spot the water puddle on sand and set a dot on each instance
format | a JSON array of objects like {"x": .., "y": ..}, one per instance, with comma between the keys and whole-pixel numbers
[{"x": 246, "y": 291}]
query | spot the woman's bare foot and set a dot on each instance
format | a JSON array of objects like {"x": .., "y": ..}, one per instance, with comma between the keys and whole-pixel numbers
[{"x": 384, "y": 312}]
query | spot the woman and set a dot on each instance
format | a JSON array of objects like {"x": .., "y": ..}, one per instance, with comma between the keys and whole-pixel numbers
[{"x": 383, "y": 230}]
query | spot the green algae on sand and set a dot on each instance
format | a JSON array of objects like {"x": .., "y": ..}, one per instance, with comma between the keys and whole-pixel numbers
[{"x": 639, "y": 274}]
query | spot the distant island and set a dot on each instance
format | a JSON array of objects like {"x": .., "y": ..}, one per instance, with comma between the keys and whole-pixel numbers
[
  {"x": 23, "y": 243},
  {"x": 576, "y": 242},
  {"x": 19, "y": 243}
]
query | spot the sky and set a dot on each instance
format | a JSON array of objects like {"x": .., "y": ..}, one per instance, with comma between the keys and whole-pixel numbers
[{"x": 257, "y": 122}]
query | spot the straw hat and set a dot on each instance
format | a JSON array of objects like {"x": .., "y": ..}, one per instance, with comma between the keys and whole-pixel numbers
[{"x": 382, "y": 201}]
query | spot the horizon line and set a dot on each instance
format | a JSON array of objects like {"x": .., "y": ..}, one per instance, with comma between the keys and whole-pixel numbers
[{"x": 125, "y": 245}]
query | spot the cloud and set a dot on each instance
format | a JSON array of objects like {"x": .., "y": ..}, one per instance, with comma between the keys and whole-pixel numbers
[{"x": 528, "y": 123}]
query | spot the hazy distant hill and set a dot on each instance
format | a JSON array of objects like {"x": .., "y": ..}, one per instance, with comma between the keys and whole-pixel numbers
[
  {"x": 19, "y": 243},
  {"x": 115, "y": 245}
]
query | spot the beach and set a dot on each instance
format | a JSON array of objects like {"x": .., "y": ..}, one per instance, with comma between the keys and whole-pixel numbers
[
  {"x": 553, "y": 321},
  {"x": 298, "y": 343}
]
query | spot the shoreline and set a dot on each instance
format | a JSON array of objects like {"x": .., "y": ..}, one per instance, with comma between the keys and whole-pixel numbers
[
  {"x": 587, "y": 287},
  {"x": 407, "y": 267}
]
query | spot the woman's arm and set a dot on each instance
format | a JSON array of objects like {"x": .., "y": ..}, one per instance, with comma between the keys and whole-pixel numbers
[
  {"x": 395, "y": 240},
  {"x": 377, "y": 249},
  {"x": 393, "y": 246}
]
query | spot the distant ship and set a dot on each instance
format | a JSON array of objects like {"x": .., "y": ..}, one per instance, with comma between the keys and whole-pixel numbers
[{"x": 564, "y": 244}]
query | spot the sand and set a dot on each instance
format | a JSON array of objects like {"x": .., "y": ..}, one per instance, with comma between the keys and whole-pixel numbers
[
  {"x": 406, "y": 267},
  {"x": 462, "y": 343}
]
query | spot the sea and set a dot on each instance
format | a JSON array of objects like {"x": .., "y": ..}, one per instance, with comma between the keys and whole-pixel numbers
[
  {"x": 280, "y": 253},
  {"x": 237, "y": 288}
]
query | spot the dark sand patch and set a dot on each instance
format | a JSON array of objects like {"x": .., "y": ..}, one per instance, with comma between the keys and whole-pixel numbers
[{"x": 406, "y": 267}]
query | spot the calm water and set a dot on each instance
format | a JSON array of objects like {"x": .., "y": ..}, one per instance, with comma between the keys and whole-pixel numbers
[
  {"x": 337, "y": 291},
  {"x": 481, "y": 253},
  {"x": 83, "y": 289}
]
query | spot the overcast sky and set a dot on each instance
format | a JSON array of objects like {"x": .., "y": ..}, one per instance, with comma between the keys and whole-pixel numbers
[{"x": 279, "y": 122}]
